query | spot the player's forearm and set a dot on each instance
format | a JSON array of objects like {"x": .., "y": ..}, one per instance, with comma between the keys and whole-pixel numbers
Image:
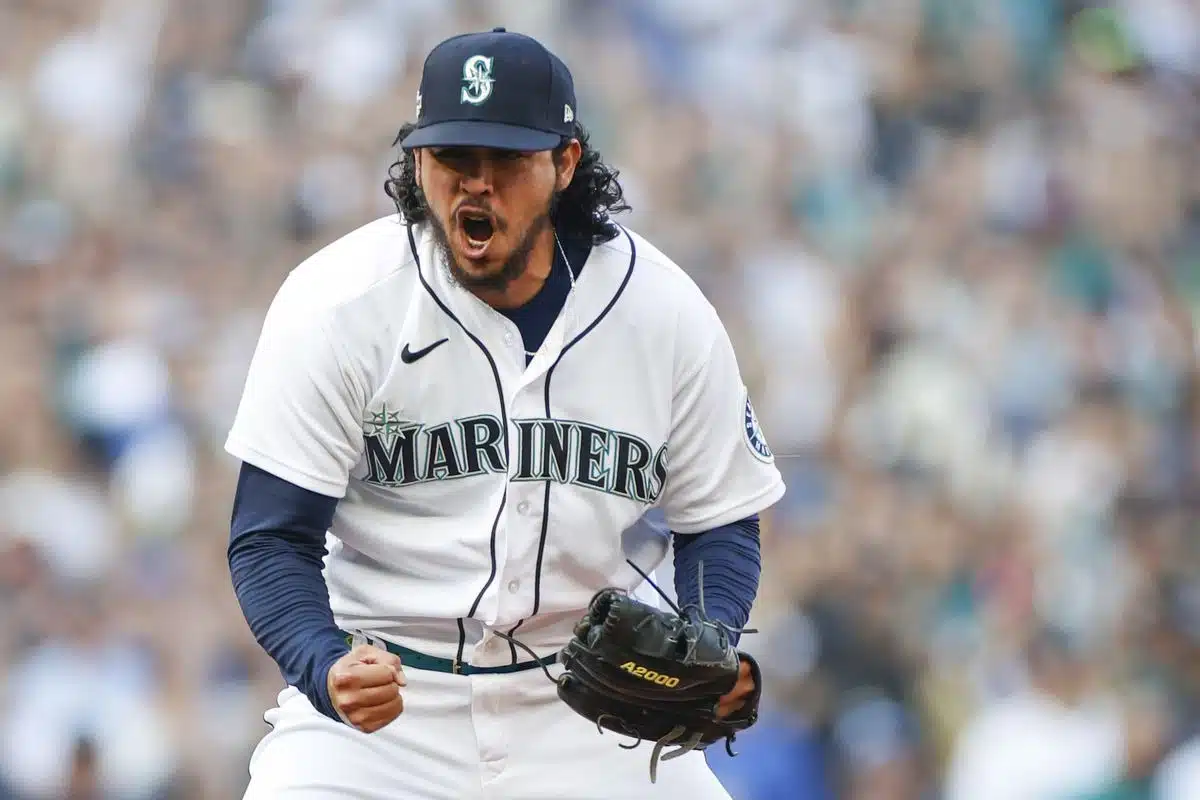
[
  {"x": 732, "y": 566},
  {"x": 276, "y": 548}
]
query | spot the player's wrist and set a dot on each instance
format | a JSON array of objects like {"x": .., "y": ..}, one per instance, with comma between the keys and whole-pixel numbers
[{"x": 321, "y": 694}]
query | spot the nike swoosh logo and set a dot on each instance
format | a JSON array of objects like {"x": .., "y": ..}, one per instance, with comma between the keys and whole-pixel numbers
[{"x": 409, "y": 356}]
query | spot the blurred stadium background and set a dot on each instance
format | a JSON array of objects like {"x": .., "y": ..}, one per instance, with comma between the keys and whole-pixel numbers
[{"x": 957, "y": 243}]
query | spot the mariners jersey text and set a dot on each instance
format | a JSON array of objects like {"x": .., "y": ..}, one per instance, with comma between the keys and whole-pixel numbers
[{"x": 402, "y": 453}]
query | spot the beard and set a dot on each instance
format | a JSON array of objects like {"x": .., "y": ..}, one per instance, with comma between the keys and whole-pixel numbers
[{"x": 513, "y": 267}]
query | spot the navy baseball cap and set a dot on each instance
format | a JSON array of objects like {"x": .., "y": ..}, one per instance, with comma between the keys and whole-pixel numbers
[{"x": 496, "y": 89}]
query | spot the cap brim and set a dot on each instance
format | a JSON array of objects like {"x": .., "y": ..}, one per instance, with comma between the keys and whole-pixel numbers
[{"x": 477, "y": 133}]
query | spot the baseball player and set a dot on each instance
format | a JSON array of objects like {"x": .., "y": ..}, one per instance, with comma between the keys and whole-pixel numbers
[{"x": 455, "y": 423}]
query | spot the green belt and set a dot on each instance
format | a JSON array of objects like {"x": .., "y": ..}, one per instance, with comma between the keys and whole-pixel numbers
[{"x": 411, "y": 658}]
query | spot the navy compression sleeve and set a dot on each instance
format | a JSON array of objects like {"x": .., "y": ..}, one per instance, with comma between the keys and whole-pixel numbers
[
  {"x": 732, "y": 566},
  {"x": 276, "y": 547}
]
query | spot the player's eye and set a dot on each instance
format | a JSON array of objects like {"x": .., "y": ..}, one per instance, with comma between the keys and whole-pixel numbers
[{"x": 451, "y": 155}]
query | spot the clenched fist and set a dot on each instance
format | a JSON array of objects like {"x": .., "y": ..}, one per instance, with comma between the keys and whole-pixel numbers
[{"x": 364, "y": 686}]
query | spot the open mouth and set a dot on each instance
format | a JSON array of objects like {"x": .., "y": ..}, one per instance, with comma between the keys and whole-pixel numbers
[{"x": 477, "y": 229}]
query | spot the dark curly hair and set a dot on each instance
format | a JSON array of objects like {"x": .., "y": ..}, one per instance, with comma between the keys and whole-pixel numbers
[{"x": 582, "y": 210}]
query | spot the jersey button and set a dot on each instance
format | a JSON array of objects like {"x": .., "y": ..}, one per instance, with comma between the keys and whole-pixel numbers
[
  {"x": 523, "y": 507},
  {"x": 513, "y": 587}
]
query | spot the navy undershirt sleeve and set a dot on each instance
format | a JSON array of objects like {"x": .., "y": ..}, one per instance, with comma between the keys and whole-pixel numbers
[
  {"x": 732, "y": 567},
  {"x": 276, "y": 549}
]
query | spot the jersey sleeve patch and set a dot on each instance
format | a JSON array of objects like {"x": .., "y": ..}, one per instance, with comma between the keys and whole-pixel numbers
[{"x": 755, "y": 439}]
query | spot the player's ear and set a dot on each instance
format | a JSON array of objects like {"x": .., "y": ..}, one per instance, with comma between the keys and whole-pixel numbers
[
  {"x": 417, "y": 168},
  {"x": 566, "y": 159}
]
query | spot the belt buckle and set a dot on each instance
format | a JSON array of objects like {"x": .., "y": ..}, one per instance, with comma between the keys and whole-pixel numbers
[{"x": 455, "y": 667}]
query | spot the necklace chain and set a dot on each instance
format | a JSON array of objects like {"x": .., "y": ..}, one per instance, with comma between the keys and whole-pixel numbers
[{"x": 570, "y": 274}]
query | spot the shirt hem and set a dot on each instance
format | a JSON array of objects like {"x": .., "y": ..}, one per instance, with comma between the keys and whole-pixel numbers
[
  {"x": 760, "y": 502},
  {"x": 250, "y": 455}
]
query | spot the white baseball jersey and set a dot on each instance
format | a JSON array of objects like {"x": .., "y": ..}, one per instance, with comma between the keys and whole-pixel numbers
[{"x": 477, "y": 492}]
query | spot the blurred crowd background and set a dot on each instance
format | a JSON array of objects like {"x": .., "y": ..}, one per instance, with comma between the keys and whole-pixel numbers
[{"x": 957, "y": 244}]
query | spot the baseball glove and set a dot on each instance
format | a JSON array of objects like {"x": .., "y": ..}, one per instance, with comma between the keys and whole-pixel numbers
[{"x": 655, "y": 675}]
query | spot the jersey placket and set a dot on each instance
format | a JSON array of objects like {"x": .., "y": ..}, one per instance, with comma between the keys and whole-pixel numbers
[{"x": 525, "y": 511}]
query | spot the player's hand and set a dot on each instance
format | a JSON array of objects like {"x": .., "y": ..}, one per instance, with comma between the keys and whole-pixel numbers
[
  {"x": 364, "y": 687},
  {"x": 741, "y": 690}
]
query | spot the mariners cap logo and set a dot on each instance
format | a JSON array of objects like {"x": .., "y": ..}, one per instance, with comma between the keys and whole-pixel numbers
[
  {"x": 754, "y": 434},
  {"x": 477, "y": 79}
]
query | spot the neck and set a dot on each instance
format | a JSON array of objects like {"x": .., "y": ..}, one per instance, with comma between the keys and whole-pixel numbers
[{"x": 525, "y": 287}]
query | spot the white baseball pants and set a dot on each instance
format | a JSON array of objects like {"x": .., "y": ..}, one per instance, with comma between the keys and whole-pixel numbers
[{"x": 479, "y": 737}]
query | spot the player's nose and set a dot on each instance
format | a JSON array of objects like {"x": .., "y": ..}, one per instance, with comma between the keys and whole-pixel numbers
[
  {"x": 477, "y": 184},
  {"x": 477, "y": 174}
]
